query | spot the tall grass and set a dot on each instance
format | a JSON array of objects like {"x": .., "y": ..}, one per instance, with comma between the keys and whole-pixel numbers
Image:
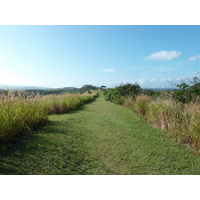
[
  {"x": 142, "y": 104},
  {"x": 21, "y": 113},
  {"x": 63, "y": 103},
  {"x": 177, "y": 111},
  {"x": 182, "y": 121}
]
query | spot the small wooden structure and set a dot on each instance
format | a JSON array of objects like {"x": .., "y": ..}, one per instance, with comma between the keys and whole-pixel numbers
[{"x": 103, "y": 88}]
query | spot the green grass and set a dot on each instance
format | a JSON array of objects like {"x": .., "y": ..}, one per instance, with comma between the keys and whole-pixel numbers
[
  {"x": 20, "y": 114},
  {"x": 99, "y": 138}
]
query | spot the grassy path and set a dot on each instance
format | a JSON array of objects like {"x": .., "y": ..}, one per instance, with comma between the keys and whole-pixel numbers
[{"x": 99, "y": 138}]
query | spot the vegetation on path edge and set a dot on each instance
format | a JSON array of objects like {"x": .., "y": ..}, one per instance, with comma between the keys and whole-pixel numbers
[
  {"x": 22, "y": 113},
  {"x": 99, "y": 138}
]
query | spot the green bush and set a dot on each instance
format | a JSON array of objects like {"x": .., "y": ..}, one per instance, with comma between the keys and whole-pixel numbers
[
  {"x": 188, "y": 92},
  {"x": 118, "y": 94}
]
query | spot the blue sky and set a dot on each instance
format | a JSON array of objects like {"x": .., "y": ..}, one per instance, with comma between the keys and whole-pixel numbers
[{"x": 65, "y": 56}]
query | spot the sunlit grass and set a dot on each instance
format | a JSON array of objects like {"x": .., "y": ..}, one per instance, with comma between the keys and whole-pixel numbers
[
  {"x": 98, "y": 138},
  {"x": 182, "y": 121},
  {"x": 21, "y": 113}
]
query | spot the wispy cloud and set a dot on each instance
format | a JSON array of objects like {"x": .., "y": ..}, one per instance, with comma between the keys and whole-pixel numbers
[
  {"x": 165, "y": 79},
  {"x": 142, "y": 80},
  {"x": 108, "y": 70},
  {"x": 153, "y": 80},
  {"x": 163, "y": 55},
  {"x": 194, "y": 58}
]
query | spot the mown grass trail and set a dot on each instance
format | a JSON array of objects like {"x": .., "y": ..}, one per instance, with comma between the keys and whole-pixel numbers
[{"x": 99, "y": 138}]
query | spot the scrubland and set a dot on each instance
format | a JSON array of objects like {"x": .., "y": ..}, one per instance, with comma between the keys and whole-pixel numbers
[{"x": 176, "y": 111}]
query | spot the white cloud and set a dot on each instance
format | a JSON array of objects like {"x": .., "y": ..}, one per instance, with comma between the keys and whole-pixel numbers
[
  {"x": 194, "y": 58},
  {"x": 165, "y": 79},
  {"x": 108, "y": 70},
  {"x": 142, "y": 80},
  {"x": 163, "y": 55},
  {"x": 153, "y": 80}
]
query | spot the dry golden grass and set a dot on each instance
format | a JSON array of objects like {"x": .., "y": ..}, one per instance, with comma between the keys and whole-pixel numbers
[
  {"x": 182, "y": 121},
  {"x": 21, "y": 113},
  {"x": 142, "y": 104}
]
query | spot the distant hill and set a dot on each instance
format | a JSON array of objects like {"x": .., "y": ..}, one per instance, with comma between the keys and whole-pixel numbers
[
  {"x": 69, "y": 88},
  {"x": 159, "y": 89},
  {"x": 13, "y": 87},
  {"x": 46, "y": 90}
]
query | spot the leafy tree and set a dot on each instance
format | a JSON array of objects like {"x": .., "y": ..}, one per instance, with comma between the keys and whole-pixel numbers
[
  {"x": 85, "y": 88},
  {"x": 129, "y": 89},
  {"x": 188, "y": 92}
]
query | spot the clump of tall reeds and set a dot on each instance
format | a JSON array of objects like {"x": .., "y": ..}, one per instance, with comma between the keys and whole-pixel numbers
[
  {"x": 141, "y": 104},
  {"x": 22, "y": 113},
  {"x": 181, "y": 120},
  {"x": 57, "y": 104},
  {"x": 128, "y": 102}
]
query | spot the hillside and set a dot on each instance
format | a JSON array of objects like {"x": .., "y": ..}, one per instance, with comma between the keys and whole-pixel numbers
[{"x": 46, "y": 91}]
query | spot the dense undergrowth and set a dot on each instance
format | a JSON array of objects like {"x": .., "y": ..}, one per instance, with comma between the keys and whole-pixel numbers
[
  {"x": 21, "y": 113},
  {"x": 177, "y": 111}
]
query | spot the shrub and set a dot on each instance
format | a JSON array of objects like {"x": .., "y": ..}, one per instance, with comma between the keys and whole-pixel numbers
[
  {"x": 120, "y": 93},
  {"x": 188, "y": 92}
]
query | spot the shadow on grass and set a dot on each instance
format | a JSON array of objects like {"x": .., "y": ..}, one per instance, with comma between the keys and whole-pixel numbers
[
  {"x": 12, "y": 151},
  {"x": 54, "y": 149},
  {"x": 8, "y": 147}
]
